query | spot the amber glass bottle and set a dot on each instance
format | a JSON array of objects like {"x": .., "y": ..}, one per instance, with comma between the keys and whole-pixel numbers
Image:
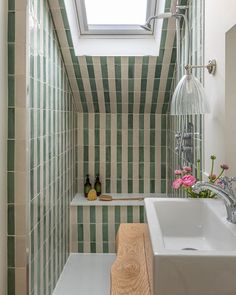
[
  {"x": 98, "y": 186},
  {"x": 87, "y": 186}
]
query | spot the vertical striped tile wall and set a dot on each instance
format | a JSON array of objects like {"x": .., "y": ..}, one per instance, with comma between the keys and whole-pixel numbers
[
  {"x": 118, "y": 84},
  {"x": 16, "y": 150},
  {"x": 127, "y": 150},
  {"x": 94, "y": 228},
  {"x": 52, "y": 134},
  {"x": 40, "y": 160},
  {"x": 175, "y": 124}
]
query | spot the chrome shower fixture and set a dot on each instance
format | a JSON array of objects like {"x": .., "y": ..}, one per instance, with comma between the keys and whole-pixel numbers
[
  {"x": 147, "y": 26},
  {"x": 184, "y": 143}
]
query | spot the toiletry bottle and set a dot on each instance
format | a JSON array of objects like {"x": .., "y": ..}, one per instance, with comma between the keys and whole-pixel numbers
[
  {"x": 87, "y": 186},
  {"x": 98, "y": 186}
]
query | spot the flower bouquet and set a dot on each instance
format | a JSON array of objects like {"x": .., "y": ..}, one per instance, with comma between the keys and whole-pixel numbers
[{"x": 185, "y": 180}]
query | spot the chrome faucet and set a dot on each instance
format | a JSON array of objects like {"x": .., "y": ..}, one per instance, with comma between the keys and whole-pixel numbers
[{"x": 225, "y": 191}]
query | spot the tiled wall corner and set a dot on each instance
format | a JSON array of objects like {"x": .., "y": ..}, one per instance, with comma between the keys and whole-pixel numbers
[{"x": 94, "y": 228}]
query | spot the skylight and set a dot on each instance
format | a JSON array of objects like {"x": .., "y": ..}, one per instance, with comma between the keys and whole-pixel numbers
[
  {"x": 114, "y": 17},
  {"x": 116, "y": 12}
]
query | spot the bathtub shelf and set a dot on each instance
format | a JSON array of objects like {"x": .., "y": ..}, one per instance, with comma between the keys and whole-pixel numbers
[{"x": 80, "y": 200}]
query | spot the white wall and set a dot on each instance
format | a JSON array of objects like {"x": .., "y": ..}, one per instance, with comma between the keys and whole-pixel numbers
[
  {"x": 219, "y": 18},
  {"x": 230, "y": 99},
  {"x": 3, "y": 111}
]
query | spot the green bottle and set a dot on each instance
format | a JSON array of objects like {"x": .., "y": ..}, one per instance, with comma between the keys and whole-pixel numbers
[
  {"x": 98, "y": 186},
  {"x": 87, "y": 186}
]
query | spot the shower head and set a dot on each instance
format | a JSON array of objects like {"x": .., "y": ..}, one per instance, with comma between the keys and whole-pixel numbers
[{"x": 147, "y": 26}]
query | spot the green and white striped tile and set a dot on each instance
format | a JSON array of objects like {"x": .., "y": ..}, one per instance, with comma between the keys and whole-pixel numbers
[
  {"x": 124, "y": 149},
  {"x": 174, "y": 124},
  {"x": 52, "y": 141},
  {"x": 95, "y": 227}
]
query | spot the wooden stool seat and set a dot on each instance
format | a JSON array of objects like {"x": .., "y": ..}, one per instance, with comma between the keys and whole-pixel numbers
[{"x": 131, "y": 273}]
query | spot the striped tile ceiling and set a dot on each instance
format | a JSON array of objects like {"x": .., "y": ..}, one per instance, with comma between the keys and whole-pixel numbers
[{"x": 118, "y": 84}]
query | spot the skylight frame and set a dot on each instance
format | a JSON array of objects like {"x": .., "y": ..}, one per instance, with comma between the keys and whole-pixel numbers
[{"x": 112, "y": 30}]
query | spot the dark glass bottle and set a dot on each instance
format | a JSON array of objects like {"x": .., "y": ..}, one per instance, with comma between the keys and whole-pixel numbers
[
  {"x": 87, "y": 186},
  {"x": 98, "y": 186}
]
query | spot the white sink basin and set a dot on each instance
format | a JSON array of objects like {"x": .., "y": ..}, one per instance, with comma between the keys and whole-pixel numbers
[{"x": 194, "y": 247}]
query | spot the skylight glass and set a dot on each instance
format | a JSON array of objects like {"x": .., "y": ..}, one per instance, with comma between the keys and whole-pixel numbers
[{"x": 116, "y": 12}]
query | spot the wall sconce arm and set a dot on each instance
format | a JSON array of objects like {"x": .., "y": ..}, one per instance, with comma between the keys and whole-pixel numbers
[{"x": 211, "y": 67}]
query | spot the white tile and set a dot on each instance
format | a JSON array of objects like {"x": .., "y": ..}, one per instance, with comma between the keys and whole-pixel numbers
[
  {"x": 20, "y": 253},
  {"x": 20, "y": 181},
  {"x": 21, "y": 5},
  {"x": 20, "y": 91},
  {"x": 20, "y": 220},
  {"x": 20, "y": 27},
  {"x": 99, "y": 237},
  {"x": 20, "y": 155},
  {"x": 20, "y": 59},
  {"x": 54, "y": 4},
  {"x": 20, "y": 281},
  {"x": 57, "y": 18},
  {"x": 20, "y": 123}
]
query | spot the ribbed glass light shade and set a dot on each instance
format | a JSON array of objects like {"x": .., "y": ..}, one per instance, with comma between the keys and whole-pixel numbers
[{"x": 189, "y": 97}]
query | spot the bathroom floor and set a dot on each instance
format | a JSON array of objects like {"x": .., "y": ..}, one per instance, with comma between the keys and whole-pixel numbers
[{"x": 85, "y": 274}]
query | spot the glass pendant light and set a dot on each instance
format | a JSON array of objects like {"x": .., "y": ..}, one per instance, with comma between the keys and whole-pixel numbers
[{"x": 189, "y": 97}]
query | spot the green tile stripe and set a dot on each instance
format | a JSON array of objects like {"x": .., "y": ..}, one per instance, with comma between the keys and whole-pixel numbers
[
  {"x": 144, "y": 84},
  {"x": 104, "y": 69},
  {"x": 108, "y": 153},
  {"x": 11, "y": 151},
  {"x": 119, "y": 153},
  {"x": 130, "y": 153},
  {"x": 170, "y": 84},
  {"x": 152, "y": 152},
  {"x": 141, "y": 154},
  {"x": 102, "y": 223},
  {"x": 131, "y": 69}
]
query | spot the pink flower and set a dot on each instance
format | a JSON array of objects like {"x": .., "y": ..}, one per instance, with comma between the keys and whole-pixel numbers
[
  {"x": 178, "y": 172},
  {"x": 187, "y": 169},
  {"x": 177, "y": 183},
  {"x": 188, "y": 180}
]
